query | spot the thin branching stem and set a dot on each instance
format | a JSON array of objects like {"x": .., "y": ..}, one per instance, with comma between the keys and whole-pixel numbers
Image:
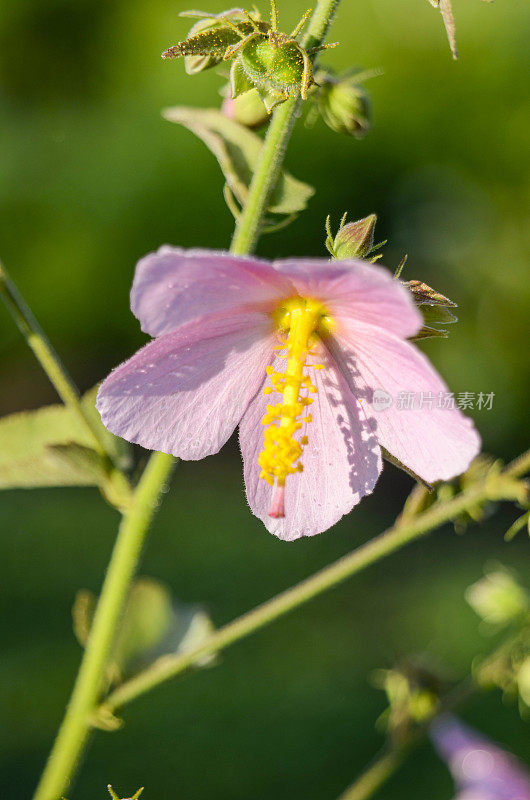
[
  {"x": 387, "y": 763},
  {"x": 50, "y": 362},
  {"x": 496, "y": 487}
]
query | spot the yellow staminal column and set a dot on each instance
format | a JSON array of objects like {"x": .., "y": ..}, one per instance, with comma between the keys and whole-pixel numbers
[{"x": 281, "y": 452}]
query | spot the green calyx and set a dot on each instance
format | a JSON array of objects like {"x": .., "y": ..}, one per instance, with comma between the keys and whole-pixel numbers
[{"x": 274, "y": 63}]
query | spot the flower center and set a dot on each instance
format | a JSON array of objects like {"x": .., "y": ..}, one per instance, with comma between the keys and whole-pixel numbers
[{"x": 303, "y": 320}]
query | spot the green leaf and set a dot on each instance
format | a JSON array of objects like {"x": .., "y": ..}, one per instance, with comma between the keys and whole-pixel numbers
[
  {"x": 237, "y": 150},
  {"x": 52, "y": 447},
  {"x": 154, "y": 625}
]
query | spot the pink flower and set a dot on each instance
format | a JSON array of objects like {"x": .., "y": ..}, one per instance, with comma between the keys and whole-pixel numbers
[
  {"x": 482, "y": 771},
  {"x": 293, "y": 352}
]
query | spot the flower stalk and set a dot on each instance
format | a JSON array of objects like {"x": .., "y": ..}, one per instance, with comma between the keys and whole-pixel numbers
[
  {"x": 250, "y": 222},
  {"x": 74, "y": 731},
  {"x": 76, "y": 726}
]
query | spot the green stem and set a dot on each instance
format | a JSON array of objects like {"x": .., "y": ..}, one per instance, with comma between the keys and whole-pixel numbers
[
  {"x": 250, "y": 222},
  {"x": 374, "y": 776},
  {"x": 73, "y": 734},
  {"x": 498, "y": 487},
  {"x": 76, "y": 725},
  {"x": 50, "y": 361}
]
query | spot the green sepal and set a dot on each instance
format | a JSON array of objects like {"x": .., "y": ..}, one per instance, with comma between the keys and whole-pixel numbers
[
  {"x": 269, "y": 98},
  {"x": 239, "y": 80},
  {"x": 207, "y": 40}
]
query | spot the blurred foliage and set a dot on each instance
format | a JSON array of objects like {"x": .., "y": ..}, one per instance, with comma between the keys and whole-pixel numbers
[{"x": 92, "y": 178}]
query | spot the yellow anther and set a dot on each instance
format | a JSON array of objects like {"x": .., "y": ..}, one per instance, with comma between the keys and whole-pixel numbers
[{"x": 302, "y": 318}]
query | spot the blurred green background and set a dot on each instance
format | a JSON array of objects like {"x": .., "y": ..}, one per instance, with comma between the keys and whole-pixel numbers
[{"x": 91, "y": 179}]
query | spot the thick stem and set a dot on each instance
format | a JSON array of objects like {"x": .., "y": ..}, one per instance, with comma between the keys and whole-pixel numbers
[
  {"x": 76, "y": 725},
  {"x": 250, "y": 222},
  {"x": 388, "y": 542}
]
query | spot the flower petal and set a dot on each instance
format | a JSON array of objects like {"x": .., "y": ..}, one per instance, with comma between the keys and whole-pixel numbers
[
  {"x": 173, "y": 286},
  {"x": 342, "y": 459},
  {"x": 435, "y": 443},
  {"x": 185, "y": 392},
  {"x": 355, "y": 290}
]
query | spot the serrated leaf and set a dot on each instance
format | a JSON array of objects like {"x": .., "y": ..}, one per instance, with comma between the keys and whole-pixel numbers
[
  {"x": 51, "y": 447},
  {"x": 238, "y": 150},
  {"x": 154, "y": 625}
]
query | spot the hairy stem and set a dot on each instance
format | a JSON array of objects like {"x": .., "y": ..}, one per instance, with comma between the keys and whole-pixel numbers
[
  {"x": 76, "y": 725},
  {"x": 497, "y": 487},
  {"x": 74, "y": 730},
  {"x": 250, "y": 222}
]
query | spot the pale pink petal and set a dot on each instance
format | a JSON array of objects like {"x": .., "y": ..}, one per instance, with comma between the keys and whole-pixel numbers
[
  {"x": 185, "y": 392},
  {"x": 355, "y": 290},
  {"x": 342, "y": 460},
  {"x": 435, "y": 443},
  {"x": 173, "y": 286}
]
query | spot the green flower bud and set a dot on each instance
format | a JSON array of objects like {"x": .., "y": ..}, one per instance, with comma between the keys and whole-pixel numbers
[
  {"x": 498, "y": 598},
  {"x": 247, "y": 109},
  {"x": 343, "y": 104},
  {"x": 275, "y": 63},
  {"x": 355, "y": 239}
]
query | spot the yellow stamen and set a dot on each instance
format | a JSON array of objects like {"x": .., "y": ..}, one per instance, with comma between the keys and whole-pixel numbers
[{"x": 304, "y": 319}]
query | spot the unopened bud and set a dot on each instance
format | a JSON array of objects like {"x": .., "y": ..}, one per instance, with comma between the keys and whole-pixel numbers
[
  {"x": 343, "y": 104},
  {"x": 353, "y": 239},
  {"x": 247, "y": 109},
  {"x": 498, "y": 598}
]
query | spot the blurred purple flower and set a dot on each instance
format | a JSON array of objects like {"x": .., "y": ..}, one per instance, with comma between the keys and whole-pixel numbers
[
  {"x": 482, "y": 771},
  {"x": 221, "y": 322}
]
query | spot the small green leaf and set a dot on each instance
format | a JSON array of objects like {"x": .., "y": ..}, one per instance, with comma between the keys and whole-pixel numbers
[
  {"x": 154, "y": 625},
  {"x": 238, "y": 150},
  {"x": 51, "y": 447},
  {"x": 29, "y": 454}
]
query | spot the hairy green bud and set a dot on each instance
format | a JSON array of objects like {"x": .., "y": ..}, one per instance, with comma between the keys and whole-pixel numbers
[
  {"x": 343, "y": 104},
  {"x": 274, "y": 63}
]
